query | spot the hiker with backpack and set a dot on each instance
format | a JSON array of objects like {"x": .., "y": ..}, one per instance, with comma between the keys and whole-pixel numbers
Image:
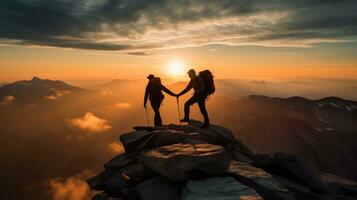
[
  {"x": 203, "y": 86},
  {"x": 153, "y": 92}
]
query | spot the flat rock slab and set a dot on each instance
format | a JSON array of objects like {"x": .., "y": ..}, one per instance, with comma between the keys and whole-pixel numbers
[
  {"x": 259, "y": 180},
  {"x": 177, "y": 161},
  {"x": 218, "y": 188}
]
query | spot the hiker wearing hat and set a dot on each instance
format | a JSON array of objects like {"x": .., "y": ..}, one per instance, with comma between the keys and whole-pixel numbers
[
  {"x": 203, "y": 86},
  {"x": 153, "y": 92}
]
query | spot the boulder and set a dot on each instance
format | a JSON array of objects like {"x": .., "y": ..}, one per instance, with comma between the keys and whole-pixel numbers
[
  {"x": 177, "y": 161},
  {"x": 218, "y": 188},
  {"x": 259, "y": 180},
  {"x": 120, "y": 161},
  {"x": 159, "y": 188},
  {"x": 97, "y": 182},
  {"x": 115, "y": 183},
  {"x": 133, "y": 139},
  {"x": 136, "y": 172},
  {"x": 219, "y": 132},
  {"x": 290, "y": 166}
]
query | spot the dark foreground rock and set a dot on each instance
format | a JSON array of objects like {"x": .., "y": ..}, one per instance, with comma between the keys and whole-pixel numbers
[
  {"x": 187, "y": 162},
  {"x": 218, "y": 188}
]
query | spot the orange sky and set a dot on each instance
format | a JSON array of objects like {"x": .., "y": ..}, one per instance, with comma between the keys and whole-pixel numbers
[
  {"x": 127, "y": 39},
  {"x": 247, "y": 62}
]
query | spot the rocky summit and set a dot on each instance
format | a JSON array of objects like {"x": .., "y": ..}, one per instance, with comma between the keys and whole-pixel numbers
[{"x": 190, "y": 163}]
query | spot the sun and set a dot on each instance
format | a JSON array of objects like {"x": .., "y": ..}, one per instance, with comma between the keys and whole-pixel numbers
[{"x": 176, "y": 68}]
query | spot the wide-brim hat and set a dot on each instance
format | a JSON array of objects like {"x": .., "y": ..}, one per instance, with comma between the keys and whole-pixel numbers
[{"x": 150, "y": 76}]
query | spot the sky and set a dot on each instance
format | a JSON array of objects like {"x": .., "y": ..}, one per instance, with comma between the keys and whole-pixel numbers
[{"x": 128, "y": 39}]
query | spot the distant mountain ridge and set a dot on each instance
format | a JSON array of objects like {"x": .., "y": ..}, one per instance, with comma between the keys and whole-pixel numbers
[
  {"x": 321, "y": 132},
  {"x": 36, "y": 88}
]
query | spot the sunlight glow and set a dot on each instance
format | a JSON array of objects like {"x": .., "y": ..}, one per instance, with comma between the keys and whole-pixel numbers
[{"x": 176, "y": 68}]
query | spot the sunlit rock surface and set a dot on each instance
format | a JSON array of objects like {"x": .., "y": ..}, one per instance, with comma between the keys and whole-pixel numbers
[{"x": 188, "y": 162}]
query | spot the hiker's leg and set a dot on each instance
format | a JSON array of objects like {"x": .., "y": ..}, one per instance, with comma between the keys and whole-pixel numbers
[
  {"x": 189, "y": 103},
  {"x": 156, "y": 107},
  {"x": 202, "y": 106}
]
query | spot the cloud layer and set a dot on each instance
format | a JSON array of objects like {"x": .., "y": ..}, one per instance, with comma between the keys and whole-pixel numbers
[
  {"x": 72, "y": 188},
  {"x": 7, "y": 100},
  {"x": 90, "y": 122},
  {"x": 133, "y": 25}
]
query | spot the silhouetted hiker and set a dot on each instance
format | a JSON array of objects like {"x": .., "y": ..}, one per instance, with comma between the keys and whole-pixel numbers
[
  {"x": 153, "y": 92},
  {"x": 203, "y": 86}
]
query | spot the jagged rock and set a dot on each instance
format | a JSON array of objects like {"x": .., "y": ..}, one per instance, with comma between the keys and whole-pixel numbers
[
  {"x": 290, "y": 166},
  {"x": 145, "y": 128},
  {"x": 178, "y": 160},
  {"x": 347, "y": 186},
  {"x": 136, "y": 172},
  {"x": 159, "y": 188},
  {"x": 115, "y": 183},
  {"x": 159, "y": 161},
  {"x": 120, "y": 161},
  {"x": 212, "y": 130},
  {"x": 218, "y": 188},
  {"x": 133, "y": 139},
  {"x": 240, "y": 152},
  {"x": 97, "y": 182},
  {"x": 259, "y": 180}
]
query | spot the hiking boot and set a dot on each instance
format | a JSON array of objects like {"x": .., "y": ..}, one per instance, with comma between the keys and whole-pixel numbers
[
  {"x": 205, "y": 125},
  {"x": 184, "y": 120}
]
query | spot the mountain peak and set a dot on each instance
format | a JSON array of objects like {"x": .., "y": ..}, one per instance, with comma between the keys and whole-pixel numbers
[
  {"x": 35, "y": 78},
  {"x": 188, "y": 162}
]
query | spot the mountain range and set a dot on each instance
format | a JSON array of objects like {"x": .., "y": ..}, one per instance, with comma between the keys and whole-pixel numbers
[
  {"x": 35, "y": 114},
  {"x": 36, "y": 89}
]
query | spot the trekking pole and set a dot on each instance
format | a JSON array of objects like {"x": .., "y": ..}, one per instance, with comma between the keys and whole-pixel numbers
[
  {"x": 147, "y": 116},
  {"x": 178, "y": 109}
]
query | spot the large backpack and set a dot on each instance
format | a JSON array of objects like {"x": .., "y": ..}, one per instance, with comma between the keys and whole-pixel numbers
[
  {"x": 155, "y": 90},
  {"x": 207, "y": 79}
]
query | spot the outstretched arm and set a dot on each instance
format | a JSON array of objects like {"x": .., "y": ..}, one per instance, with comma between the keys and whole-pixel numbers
[
  {"x": 163, "y": 88},
  {"x": 146, "y": 96},
  {"x": 188, "y": 88}
]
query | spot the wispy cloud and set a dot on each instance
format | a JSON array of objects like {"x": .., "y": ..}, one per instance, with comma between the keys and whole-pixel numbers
[
  {"x": 57, "y": 94},
  {"x": 140, "y": 25},
  {"x": 7, "y": 100},
  {"x": 115, "y": 147},
  {"x": 122, "y": 105},
  {"x": 72, "y": 188},
  {"x": 90, "y": 122}
]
